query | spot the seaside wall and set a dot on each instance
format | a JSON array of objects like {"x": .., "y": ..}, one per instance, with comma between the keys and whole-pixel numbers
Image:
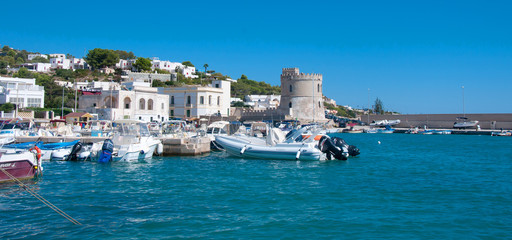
[{"x": 486, "y": 121}]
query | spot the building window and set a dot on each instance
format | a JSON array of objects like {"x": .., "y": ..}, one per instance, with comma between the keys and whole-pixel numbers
[
  {"x": 218, "y": 100},
  {"x": 162, "y": 106},
  {"x": 188, "y": 113},
  {"x": 319, "y": 104},
  {"x": 33, "y": 102},
  {"x": 142, "y": 104},
  {"x": 290, "y": 104},
  {"x": 201, "y": 100},
  {"x": 210, "y": 99},
  {"x": 291, "y": 89},
  {"x": 188, "y": 100},
  {"x": 172, "y": 113},
  {"x": 150, "y": 104},
  {"x": 127, "y": 102},
  {"x": 172, "y": 100},
  {"x": 217, "y": 85},
  {"x": 318, "y": 87}
]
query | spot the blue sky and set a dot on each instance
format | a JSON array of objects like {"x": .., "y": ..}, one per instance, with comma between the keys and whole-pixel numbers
[{"x": 414, "y": 56}]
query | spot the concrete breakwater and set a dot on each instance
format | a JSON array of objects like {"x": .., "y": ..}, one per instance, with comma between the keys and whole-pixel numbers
[
  {"x": 172, "y": 146},
  {"x": 492, "y": 121}
]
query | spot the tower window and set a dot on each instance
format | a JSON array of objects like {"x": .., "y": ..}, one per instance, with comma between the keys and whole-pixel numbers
[
  {"x": 319, "y": 87},
  {"x": 291, "y": 89},
  {"x": 290, "y": 104}
]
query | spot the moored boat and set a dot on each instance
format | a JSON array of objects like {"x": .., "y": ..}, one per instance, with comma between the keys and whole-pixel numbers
[{"x": 18, "y": 164}]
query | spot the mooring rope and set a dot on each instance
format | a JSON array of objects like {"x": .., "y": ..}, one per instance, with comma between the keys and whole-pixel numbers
[{"x": 40, "y": 198}]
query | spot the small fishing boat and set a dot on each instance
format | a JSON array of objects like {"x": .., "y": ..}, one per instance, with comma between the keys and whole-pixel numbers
[
  {"x": 387, "y": 129},
  {"x": 502, "y": 133},
  {"x": 18, "y": 164},
  {"x": 49, "y": 151},
  {"x": 441, "y": 132}
]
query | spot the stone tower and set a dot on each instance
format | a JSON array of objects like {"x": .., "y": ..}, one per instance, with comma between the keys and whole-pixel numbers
[{"x": 301, "y": 95}]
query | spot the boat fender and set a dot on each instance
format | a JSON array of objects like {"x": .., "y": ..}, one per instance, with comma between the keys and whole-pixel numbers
[
  {"x": 141, "y": 152},
  {"x": 243, "y": 150},
  {"x": 160, "y": 149},
  {"x": 297, "y": 156}
]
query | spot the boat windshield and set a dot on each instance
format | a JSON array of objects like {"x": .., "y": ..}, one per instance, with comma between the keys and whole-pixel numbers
[{"x": 133, "y": 129}]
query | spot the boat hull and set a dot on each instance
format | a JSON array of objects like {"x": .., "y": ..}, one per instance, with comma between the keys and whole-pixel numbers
[
  {"x": 283, "y": 151},
  {"x": 19, "y": 165}
]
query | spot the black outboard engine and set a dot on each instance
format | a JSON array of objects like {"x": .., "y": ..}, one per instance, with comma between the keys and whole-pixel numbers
[
  {"x": 328, "y": 147},
  {"x": 74, "y": 151},
  {"x": 106, "y": 151},
  {"x": 352, "y": 150}
]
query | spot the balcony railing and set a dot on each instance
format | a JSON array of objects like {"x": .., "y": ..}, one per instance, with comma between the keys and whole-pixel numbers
[{"x": 190, "y": 105}]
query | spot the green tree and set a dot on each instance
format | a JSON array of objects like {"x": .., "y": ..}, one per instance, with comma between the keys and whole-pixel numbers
[
  {"x": 65, "y": 73},
  {"x": 205, "y": 67},
  {"x": 23, "y": 73},
  {"x": 3, "y": 64},
  {"x": 125, "y": 55},
  {"x": 5, "y": 49},
  {"x": 158, "y": 83},
  {"x": 100, "y": 58},
  {"x": 7, "y": 107},
  {"x": 40, "y": 60},
  {"x": 378, "y": 107},
  {"x": 188, "y": 63},
  {"x": 142, "y": 64},
  {"x": 11, "y": 53},
  {"x": 19, "y": 60}
]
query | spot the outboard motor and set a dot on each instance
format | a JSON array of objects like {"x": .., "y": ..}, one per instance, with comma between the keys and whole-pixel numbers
[
  {"x": 106, "y": 151},
  {"x": 74, "y": 151},
  {"x": 352, "y": 150},
  {"x": 328, "y": 147}
]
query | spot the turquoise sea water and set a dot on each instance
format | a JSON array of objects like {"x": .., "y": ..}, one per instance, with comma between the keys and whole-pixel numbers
[{"x": 407, "y": 187}]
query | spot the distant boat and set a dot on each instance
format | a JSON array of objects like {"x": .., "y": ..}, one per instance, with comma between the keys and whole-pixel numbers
[
  {"x": 442, "y": 132},
  {"x": 385, "y": 122},
  {"x": 464, "y": 122}
]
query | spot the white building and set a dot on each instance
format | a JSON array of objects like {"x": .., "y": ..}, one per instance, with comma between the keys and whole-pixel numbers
[
  {"x": 60, "y": 63},
  {"x": 125, "y": 64},
  {"x": 57, "y": 55},
  {"x": 263, "y": 101},
  {"x": 195, "y": 100},
  {"x": 37, "y": 67},
  {"x": 139, "y": 101},
  {"x": 90, "y": 86},
  {"x": 32, "y": 56},
  {"x": 78, "y": 63},
  {"x": 21, "y": 91},
  {"x": 172, "y": 66}
]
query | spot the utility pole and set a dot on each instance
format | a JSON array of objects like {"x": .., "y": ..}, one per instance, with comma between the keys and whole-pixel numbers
[
  {"x": 76, "y": 91},
  {"x": 368, "y": 106},
  {"x": 62, "y": 109}
]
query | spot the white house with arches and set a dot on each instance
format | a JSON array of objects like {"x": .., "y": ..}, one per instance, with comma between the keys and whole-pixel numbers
[
  {"x": 137, "y": 101},
  {"x": 195, "y": 101}
]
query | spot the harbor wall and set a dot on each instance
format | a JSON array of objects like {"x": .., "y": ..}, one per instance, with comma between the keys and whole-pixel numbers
[{"x": 486, "y": 120}]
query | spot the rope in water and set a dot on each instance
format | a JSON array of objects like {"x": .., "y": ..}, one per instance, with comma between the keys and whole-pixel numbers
[{"x": 40, "y": 198}]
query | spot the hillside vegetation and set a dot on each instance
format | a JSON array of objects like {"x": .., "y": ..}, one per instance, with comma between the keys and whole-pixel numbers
[{"x": 245, "y": 86}]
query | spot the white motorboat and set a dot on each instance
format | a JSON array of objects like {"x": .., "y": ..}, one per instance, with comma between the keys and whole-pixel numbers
[
  {"x": 295, "y": 147},
  {"x": 385, "y": 122},
  {"x": 133, "y": 141},
  {"x": 464, "y": 122}
]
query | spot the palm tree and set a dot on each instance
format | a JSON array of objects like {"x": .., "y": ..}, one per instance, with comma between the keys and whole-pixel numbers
[{"x": 205, "y": 67}]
